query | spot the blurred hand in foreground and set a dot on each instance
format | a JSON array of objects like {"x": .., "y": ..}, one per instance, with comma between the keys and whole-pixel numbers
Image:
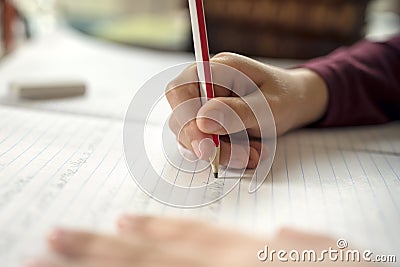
[{"x": 150, "y": 241}]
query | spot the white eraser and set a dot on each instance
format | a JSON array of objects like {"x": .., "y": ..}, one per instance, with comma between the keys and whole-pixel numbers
[{"x": 47, "y": 89}]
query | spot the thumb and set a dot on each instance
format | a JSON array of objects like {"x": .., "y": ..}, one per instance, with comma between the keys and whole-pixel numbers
[{"x": 226, "y": 115}]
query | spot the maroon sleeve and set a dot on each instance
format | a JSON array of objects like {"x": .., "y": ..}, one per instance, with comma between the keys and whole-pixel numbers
[{"x": 363, "y": 83}]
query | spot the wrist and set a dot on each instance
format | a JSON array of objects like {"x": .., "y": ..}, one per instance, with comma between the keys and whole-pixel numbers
[{"x": 312, "y": 97}]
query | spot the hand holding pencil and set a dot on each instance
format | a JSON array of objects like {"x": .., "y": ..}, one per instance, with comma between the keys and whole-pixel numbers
[
  {"x": 300, "y": 100},
  {"x": 297, "y": 97},
  {"x": 193, "y": 138}
]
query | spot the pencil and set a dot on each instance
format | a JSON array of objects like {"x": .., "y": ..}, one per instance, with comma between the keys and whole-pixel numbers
[{"x": 202, "y": 54}]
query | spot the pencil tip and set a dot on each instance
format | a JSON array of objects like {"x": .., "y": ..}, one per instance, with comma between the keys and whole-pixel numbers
[{"x": 215, "y": 174}]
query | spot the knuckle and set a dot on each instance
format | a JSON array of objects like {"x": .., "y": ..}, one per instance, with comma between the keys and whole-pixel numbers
[
  {"x": 171, "y": 86},
  {"x": 145, "y": 220},
  {"x": 226, "y": 58},
  {"x": 191, "y": 69},
  {"x": 172, "y": 93},
  {"x": 223, "y": 56}
]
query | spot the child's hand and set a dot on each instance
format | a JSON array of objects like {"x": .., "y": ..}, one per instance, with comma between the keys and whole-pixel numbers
[
  {"x": 148, "y": 241},
  {"x": 296, "y": 97}
]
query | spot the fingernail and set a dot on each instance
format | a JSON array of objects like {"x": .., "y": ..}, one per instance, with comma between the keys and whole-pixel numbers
[
  {"x": 37, "y": 263},
  {"x": 237, "y": 164},
  {"x": 60, "y": 237},
  {"x": 56, "y": 235},
  {"x": 196, "y": 148},
  {"x": 126, "y": 221},
  {"x": 252, "y": 164},
  {"x": 215, "y": 122},
  {"x": 207, "y": 148}
]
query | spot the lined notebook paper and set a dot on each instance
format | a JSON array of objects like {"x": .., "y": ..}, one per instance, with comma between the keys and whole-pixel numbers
[{"x": 69, "y": 170}]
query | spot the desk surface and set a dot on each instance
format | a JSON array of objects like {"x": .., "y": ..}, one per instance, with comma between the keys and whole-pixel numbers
[{"x": 112, "y": 71}]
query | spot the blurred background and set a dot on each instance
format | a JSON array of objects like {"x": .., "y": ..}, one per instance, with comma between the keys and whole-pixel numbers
[{"x": 297, "y": 29}]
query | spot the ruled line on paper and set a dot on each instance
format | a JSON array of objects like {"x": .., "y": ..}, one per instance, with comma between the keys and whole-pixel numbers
[
  {"x": 382, "y": 141},
  {"x": 7, "y": 197},
  {"x": 45, "y": 191},
  {"x": 87, "y": 179},
  {"x": 83, "y": 190}
]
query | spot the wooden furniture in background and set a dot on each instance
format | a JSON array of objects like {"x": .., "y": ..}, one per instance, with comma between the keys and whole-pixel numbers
[{"x": 284, "y": 28}]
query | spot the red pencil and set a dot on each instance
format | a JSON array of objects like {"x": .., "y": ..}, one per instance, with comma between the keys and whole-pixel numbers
[{"x": 202, "y": 53}]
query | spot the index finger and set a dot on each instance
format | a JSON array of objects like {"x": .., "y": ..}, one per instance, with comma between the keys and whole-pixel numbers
[{"x": 186, "y": 86}]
